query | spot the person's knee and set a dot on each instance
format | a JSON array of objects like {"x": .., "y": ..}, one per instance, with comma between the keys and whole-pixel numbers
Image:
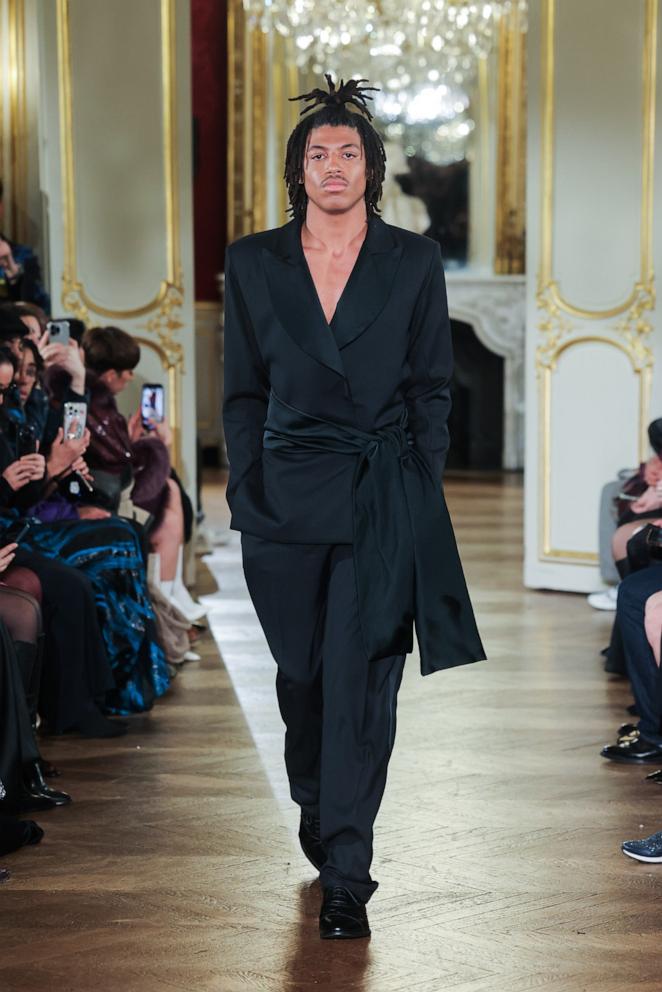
[{"x": 634, "y": 591}]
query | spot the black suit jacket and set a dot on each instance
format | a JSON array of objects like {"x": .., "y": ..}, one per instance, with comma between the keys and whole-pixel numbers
[{"x": 387, "y": 347}]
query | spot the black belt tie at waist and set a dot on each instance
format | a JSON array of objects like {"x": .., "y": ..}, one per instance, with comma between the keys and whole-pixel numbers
[{"x": 406, "y": 561}]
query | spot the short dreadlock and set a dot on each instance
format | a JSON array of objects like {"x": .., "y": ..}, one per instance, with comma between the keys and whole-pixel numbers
[{"x": 335, "y": 112}]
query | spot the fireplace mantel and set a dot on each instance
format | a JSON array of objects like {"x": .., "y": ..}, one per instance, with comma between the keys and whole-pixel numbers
[{"x": 495, "y": 307}]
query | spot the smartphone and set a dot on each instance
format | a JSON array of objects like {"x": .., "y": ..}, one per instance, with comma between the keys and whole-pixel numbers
[
  {"x": 628, "y": 497},
  {"x": 26, "y": 441},
  {"x": 58, "y": 331},
  {"x": 152, "y": 403},
  {"x": 75, "y": 416}
]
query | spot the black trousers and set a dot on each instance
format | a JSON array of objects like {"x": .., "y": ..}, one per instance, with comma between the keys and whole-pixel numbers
[
  {"x": 645, "y": 677},
  {"x": 17, "y": 743},
  {"x": 339, "y": 709}
]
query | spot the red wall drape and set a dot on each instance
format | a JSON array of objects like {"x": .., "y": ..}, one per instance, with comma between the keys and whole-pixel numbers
[{"x": 209, "y": 62}]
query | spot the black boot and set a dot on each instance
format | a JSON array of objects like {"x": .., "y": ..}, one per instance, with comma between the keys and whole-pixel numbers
[{"x": 35, "y": 783}]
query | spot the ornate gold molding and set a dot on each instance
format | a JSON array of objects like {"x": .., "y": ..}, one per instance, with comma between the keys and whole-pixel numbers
[
  {"x": 18, "y": 130},
  {"x": 510, "y": 221},
  {"x": 548, "y": 286},
  {"x": 74, "y": 297},
  {"x": 260, "y": 55},
  {"x": 236, "y": 100},
  {"x": 630, "y": 334}
]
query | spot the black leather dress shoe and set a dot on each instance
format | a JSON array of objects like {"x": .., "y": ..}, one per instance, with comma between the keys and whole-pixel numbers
[
  {"x": 342, "y": 915},
  {"x": 309, "y": 838},
  {"x": 633, "y": 750},
  {"x": 28, "y": 802},
  {"x": 36, "y": 785}
]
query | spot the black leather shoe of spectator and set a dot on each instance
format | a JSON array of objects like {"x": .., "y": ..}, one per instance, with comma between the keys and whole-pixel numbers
[
  {"x": 309, "y": 838},
  {"x": 342, "y": 916},
  {"x": 633, "y": 751},
  {"x": 35, "y": 784}
]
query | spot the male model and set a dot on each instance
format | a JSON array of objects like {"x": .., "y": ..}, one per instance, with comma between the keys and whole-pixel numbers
[{"x": 337, "y": 367}]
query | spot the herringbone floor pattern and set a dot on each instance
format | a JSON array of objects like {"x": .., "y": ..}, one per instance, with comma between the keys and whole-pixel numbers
[{"x": 497, "y": 846}]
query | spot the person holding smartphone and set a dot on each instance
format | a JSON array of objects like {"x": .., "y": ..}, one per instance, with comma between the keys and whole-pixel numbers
[
  {"x": 95, "y": 542},
  {"x": 138, "y": 458}
]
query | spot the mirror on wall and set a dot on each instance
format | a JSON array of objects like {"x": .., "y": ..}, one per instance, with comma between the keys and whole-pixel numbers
[{"x": 448, "y": 105}]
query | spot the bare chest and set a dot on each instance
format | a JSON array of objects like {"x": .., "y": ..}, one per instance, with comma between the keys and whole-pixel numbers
[{"x": 330, "y": 275}]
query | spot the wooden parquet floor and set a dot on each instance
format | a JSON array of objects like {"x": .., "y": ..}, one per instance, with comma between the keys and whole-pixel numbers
[{"x": 497, "y": 846}]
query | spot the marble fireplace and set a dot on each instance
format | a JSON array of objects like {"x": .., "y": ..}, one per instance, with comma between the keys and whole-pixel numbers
[{"x": 494, "y": 306}]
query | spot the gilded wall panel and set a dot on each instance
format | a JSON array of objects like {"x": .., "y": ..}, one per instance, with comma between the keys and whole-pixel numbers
[
  {"x": 118, "y": 175},
  {"x": 595, "y": 287},
  {"x": 597, "y": 163}
]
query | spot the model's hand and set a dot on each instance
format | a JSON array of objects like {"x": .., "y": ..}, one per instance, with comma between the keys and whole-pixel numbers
[
  {"x": 651, "y": 500},
  {"x": 7, "y": 555}
]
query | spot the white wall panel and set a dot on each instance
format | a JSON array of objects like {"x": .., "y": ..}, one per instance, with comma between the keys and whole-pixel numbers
[
  {"x": 591, "y": 437},
  {"x": 119, "y": 181},
  {"x": 597, "y": 153},
  {"x": 591, "y": 166}
]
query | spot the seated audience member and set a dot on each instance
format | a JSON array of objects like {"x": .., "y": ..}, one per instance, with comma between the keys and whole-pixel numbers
[
  {"x": 639, "y": 622},
  {"x": 131, "y": 454},
  {"x": 108, "y": 551},
  {"x": 20, "y": 272},
  {"x": 32, "y": 398},
  {"x": 646, "y": 485}
]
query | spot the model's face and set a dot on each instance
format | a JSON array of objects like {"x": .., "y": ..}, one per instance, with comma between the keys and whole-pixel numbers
[{"x": 334, "y": 168}]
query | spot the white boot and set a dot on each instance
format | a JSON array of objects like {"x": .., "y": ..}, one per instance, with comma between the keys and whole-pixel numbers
[{"x": 180, "y": 595}]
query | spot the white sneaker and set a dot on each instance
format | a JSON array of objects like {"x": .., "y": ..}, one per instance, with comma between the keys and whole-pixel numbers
[{"x": 605, "y": 600}]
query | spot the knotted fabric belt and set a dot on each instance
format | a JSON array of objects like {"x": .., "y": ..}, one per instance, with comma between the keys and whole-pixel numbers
[{"x": 405, "y": 557}]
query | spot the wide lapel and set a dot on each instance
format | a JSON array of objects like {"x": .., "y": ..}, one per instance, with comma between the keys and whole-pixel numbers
[
  {"x": 370, "y": 284},
  {"x": 294, "y": 298}
]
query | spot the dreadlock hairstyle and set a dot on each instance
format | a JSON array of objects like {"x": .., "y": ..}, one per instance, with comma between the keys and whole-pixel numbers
[{"x": 334, "y": 105}]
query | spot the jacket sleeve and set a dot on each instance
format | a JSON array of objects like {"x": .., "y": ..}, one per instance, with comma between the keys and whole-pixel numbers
[
  {"x": 246, "y": 386},
  {"x": 430, "y": 358}
]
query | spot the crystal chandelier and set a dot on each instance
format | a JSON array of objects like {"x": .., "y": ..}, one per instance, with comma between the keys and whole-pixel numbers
[
  {"x": 448, "y": 35},
  {"x": 423, "y": 56}
]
